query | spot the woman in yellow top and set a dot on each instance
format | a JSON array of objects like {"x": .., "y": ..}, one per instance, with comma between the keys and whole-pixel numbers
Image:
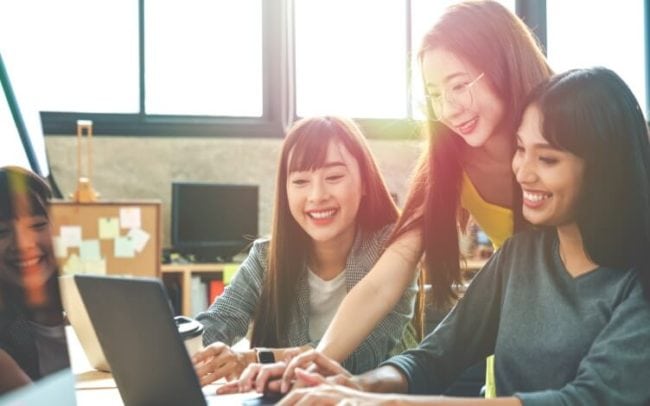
[{"x": 479, "y": 61}]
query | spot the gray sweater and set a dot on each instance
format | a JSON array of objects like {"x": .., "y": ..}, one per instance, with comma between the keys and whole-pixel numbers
[
  {"x": 557, "y": 340},
  {"x": 227, "y": 319}
]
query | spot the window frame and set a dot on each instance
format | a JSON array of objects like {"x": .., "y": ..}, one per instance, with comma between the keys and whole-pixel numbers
[{"x": 279, "y": 93}]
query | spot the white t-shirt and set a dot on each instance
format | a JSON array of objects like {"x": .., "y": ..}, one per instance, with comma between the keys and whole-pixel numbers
[{"x": 324, "y": 299}]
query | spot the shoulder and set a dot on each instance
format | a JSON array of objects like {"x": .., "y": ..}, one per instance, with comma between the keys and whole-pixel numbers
[
  {"x": 260, "y": 246},
  {"x": 530, "y": 240},
  {"x": 378, "y": 237},
  {"x": 373, "y": 242},
  {"x": 368, "y": 247},
  {"x": 256, "y": 259},
  {"x": 533, "y": 246}
]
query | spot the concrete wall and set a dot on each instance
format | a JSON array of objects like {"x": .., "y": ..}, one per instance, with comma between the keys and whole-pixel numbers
[{"x": 144, "y": 167}]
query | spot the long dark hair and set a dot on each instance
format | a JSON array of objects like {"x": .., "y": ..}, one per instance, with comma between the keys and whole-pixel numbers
[
  {"x": 305, "y": 149},
  {"x": 22, "y": 194},
  {"x": 593, "y": 114},
  {"x": 498, "y": 43}
]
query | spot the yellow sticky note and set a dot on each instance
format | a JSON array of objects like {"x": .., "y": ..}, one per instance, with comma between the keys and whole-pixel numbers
[
  {"x": 73, "y": 265},
  {"x": 229, "y": 272},
  {"x": 95, "y": 267},
  {"x": 109, "y": 228}
]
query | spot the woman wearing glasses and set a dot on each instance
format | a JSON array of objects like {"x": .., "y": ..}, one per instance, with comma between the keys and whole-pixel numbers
[{"x": 479, "y": 61}]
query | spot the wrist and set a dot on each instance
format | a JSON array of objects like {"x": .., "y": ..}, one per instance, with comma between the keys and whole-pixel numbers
[{"x": 249, "y": 356}]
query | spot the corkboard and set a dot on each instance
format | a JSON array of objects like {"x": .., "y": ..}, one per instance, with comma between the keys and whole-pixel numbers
[{"x": 145, "y": 262}]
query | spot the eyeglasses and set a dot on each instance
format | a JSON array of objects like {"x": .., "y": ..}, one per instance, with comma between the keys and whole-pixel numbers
[{"x": 458, "y": 95}]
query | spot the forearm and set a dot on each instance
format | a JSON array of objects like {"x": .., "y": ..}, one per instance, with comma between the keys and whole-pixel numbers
[
  {"x": 445, "y": 400},
  {"x": 391, "y": 381},
  {"x": 387, "y": 379},
  {"x": 377, "y": 294},
  {"x": 285, "y": 354}
]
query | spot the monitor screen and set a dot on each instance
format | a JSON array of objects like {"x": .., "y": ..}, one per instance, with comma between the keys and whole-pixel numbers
[{"x": 213, "y": 222}]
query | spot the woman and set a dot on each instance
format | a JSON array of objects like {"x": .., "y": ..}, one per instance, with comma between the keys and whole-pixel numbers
[
  {"x": 322, "y": 243},
  {"x": 566, "y": 307},
  {"x": 479, "y": 61},
  {"x": 31, "y": 315}
]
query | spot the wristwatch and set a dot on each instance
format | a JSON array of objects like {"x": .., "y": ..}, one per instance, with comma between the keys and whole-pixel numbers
[{"x": 265, "y": 356}]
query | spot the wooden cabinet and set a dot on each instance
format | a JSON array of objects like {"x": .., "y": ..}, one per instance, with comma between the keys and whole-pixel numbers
[{"x": 181, "y": 275}]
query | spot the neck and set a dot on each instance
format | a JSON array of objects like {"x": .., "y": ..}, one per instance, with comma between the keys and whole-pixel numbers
[
  {"x": 572, "y": 250},
  {"x": 497, "y": 151},
  {"x": 328, "y": 258}
]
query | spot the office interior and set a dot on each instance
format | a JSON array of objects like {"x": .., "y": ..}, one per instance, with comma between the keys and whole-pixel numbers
[{"x": 141, "y": 145}]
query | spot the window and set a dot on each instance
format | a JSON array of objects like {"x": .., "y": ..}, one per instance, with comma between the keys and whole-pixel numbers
[
  {"x": 203, "y": 57},
  {"x": 584, "y": 33},
  {"x": 73, "y": 55},
  {"x": 248, "y": 67},
  {"x": 350, "y": 58}
]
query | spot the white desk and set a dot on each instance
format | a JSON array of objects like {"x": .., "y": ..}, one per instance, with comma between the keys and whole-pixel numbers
[{"x": 95, "y": 388}]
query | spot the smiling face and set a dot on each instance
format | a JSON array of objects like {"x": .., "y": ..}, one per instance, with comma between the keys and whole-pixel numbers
[
  {"x": 325, "y": 201},
  {"x": 26, "y": 254},
  {"x": 474, "y": 118},
  {"x": 551, "y": 179}
]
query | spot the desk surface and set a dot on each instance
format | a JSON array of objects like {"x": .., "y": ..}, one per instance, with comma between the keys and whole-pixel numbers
[{"x": 98, "y": 388}]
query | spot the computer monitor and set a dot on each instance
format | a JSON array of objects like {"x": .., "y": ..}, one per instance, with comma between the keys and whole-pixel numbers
[{"x": 212, "y": 221}]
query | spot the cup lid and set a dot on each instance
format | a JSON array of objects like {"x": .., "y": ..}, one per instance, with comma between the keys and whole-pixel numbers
[{"x": 187, "y": 327}]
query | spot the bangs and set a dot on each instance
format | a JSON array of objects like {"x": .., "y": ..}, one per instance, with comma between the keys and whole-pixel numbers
[
  {"x": 21, "y": 194},
  {"x": 309, "y": 151},
  {"x": 21, "y": 205},
  {"x": 579, "y": 116}
]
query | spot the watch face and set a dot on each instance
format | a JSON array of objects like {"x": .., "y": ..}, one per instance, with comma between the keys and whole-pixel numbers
[{"x": 266, "y": 357}]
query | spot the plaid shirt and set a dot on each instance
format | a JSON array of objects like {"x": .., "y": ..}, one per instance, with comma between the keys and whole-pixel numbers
[{"x": 228, "y": 318}]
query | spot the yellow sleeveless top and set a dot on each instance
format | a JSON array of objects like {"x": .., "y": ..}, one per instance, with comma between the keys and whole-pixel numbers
[{"x": 498, "y": 223}]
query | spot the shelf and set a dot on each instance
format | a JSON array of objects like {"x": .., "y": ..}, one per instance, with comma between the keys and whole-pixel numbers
[{"x": 182, "y": 274}]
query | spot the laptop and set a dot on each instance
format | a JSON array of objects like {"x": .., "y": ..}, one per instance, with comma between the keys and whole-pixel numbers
[
  {"x": 135, "y": 326},
  {"x": 78, "y": 316}
]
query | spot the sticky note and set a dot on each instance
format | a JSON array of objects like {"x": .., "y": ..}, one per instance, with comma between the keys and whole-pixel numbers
[
  {"x": 71, "y": 235},
  {"x": 94, "y": 267},
  {"x": 229, "y": 271},
  {"x": 73, "y": 265},
  {"x": 124, "y": 247},
  {"x": 139, "y": 238},
  {"x": 89, "y": 250},
  {"x": 60, "y": 249},
  {"x": 109, "y": 228},
  {"x": 130, "y": 217}
]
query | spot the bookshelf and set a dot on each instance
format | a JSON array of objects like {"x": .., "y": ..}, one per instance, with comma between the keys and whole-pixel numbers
[{"x": 181, "y": 275}]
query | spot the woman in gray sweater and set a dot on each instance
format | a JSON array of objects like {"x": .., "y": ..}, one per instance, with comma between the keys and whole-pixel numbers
[
  {"x": 565, "y": 307},
  {"x": 332, "y": 217}
]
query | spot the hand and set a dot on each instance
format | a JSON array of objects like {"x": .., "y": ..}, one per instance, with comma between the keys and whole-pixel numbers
[
  {"x": 312, "y": 361},
  {"x": 263, "y": 377},
  {"x": 259, "y": 377},
  {"x": 330, "y": 394},
  {"x": 307, "y": 379},
  {"x": 218, "y": 361}
]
